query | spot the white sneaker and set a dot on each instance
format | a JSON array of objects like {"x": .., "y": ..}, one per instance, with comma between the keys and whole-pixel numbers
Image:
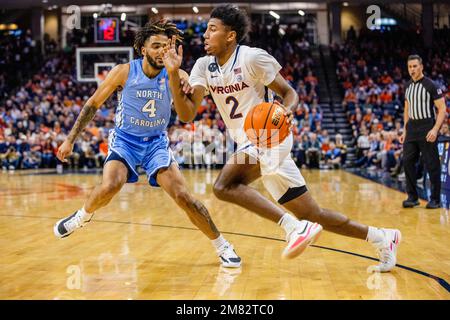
[
  {"x": 228, "y": 257},
  {"x": 66, "y": 226},
  {"x": 298, "y": 240},
  {"x": 387, "y": 250}
]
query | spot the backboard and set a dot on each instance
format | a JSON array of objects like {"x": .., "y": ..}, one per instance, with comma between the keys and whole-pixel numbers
[{"x": 93, "y": 63}]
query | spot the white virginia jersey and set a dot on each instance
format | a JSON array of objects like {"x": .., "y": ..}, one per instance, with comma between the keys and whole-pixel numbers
[{"x": 238, "y": 85}]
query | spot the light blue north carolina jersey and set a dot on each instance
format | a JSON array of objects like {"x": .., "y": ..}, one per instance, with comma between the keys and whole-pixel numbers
[{"x": 144, "y": 104}]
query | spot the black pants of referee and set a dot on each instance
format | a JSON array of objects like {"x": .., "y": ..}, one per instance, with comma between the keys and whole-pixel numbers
[{"x": 430, "y": 156}]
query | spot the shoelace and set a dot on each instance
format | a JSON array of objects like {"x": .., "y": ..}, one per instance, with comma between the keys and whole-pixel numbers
[
  {"x": 74, "y": 223},
  {"x": 224, "y": 250}
]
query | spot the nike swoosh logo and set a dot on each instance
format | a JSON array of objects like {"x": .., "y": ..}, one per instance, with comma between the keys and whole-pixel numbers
[
  {"x": 394, "y": 241},
  {"x": 306, "y": 226},
  {"x": 299, "y": 240}
]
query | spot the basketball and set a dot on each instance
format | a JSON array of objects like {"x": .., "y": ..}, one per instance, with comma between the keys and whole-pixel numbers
[{"x": 266, "y": 125}]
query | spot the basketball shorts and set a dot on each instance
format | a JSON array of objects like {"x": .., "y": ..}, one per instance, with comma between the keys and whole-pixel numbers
[
  {"x": 151, "y": 153},
  {"x": 280, "y": 175}
]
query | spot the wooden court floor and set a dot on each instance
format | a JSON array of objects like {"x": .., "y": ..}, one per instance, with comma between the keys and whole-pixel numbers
[{"x": 143, "y": 247}]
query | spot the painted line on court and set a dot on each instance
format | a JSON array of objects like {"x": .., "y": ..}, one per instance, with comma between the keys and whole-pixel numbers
[{"x": 443, "y": 283}]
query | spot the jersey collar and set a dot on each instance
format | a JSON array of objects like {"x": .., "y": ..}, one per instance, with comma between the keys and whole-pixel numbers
[
  {"x": 418, "y": 80},
  {"x": 236, "y": 52}
]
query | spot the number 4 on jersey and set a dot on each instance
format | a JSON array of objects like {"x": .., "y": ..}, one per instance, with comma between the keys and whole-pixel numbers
[{"x": 150, "y": 108}]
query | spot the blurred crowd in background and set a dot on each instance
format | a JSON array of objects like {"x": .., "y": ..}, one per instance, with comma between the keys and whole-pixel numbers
[{"x": 40, "y": 100}]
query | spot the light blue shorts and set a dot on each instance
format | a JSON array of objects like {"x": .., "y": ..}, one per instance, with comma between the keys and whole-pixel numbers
[{"x": 151, "y": 153}]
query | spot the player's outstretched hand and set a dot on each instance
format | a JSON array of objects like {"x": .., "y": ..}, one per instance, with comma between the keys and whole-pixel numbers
[
  {"x": 186, "y": 87},
  {"x": 64, "y": 151},
  {"x": 287, "y": 113},
  {"x": 171, "y": 58}
]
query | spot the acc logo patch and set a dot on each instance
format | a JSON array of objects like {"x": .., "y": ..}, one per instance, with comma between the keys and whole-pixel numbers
[{"x": 213, "y": 67}]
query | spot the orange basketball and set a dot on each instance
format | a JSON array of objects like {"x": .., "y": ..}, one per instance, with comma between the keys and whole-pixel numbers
[{"x": 265, "y": 125}]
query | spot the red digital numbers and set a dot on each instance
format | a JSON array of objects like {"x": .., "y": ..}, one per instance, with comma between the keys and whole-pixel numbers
[
  {"x": 108, "y": 33},
  {"x": 107, "y": 29}
]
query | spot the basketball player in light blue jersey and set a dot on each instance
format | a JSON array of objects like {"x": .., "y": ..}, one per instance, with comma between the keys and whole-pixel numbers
[{"x": 140, "y": 137}]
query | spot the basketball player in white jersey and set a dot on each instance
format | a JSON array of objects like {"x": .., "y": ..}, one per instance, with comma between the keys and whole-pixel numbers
[{"x": 237, "y": 77}]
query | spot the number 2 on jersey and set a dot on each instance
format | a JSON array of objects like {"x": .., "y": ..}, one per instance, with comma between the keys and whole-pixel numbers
[
  {"x": 150, "y": 108},
  {"x": 233, "y": 114}
]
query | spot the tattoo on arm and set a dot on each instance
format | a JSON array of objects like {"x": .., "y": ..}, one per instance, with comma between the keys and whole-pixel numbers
[{"x": 86, "y": 115}]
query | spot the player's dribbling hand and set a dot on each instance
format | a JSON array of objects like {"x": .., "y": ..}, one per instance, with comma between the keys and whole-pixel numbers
[
  {"x": 171, "y": 58},
  {"x": 64, "y": 151},
  {"x": 287, "y": 113}
]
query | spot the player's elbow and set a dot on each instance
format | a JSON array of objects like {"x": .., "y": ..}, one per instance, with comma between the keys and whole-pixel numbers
[
  {"x": 292, "y": 94},
  {"x": 94, "y": 102},
  {"x": 186, "y": 117},
  {"x": 184, "y": 120}
]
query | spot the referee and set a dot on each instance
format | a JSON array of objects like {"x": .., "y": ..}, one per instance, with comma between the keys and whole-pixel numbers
[{"x": 421, "y": 131}]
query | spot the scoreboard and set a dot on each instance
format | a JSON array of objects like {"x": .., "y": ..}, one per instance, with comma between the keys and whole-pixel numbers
[{"x": 106, "y": 30}]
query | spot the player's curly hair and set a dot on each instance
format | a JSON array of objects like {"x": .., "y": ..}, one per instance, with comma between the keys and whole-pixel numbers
[
  {"x": 234, "y": 18},
  {"x": 156, "y": 27}
]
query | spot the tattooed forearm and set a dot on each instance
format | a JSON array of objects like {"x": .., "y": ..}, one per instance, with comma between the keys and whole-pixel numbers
[{"x": 86, "y": 115}]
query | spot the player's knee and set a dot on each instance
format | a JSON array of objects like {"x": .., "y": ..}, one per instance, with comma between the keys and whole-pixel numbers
[
  {"x": 110, "y": 188},
  {"x": 220, "y": 190}
]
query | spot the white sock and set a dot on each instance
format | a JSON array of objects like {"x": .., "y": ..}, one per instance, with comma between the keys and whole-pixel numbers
[
  {"x": 219, "y": 243},
  {"x": 86, "y": 215},
  {"x": 288, "y": 223},
  {"x": 375, "y": 235}
]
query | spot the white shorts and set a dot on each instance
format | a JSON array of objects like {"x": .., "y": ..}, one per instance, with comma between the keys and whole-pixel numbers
[{"x": 279, "y": 172}]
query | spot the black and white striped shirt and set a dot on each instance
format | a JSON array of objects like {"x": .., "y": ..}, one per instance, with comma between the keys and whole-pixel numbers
[{"x": 420, "y": 96}]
